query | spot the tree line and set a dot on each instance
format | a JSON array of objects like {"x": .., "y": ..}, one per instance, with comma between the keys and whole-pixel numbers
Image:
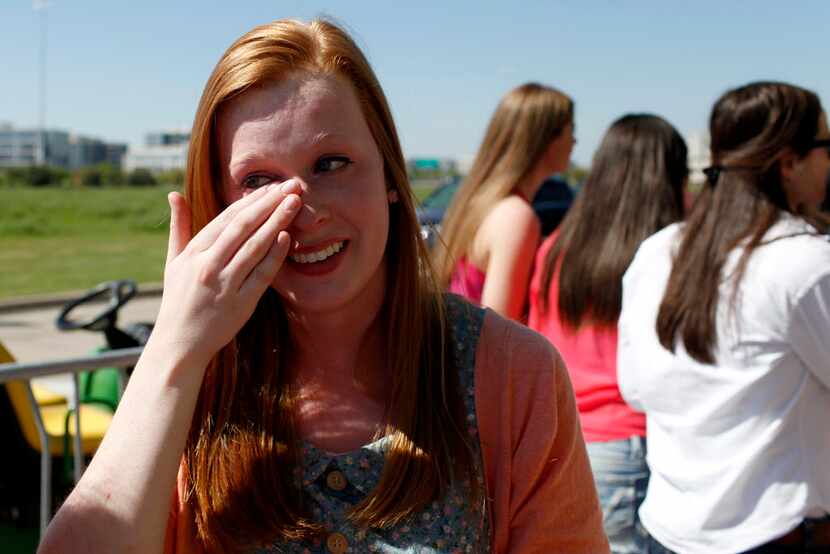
[{"x": 99, "y": 175}]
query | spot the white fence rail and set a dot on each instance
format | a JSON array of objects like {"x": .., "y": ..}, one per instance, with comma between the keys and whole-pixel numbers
[{"x": 121, "y": 359}]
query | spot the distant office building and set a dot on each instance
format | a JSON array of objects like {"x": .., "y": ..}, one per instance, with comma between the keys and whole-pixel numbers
[
  {"x": 25, "y": 147},
  {"x": 91, "y": 151},
  {"x": 166, "y": 138},
  {"x": 156, "y": 158},
  {"x": 162, "y": 151},
  {"x": 697, "y": 143},
  {"x": 114, "y": 153}
]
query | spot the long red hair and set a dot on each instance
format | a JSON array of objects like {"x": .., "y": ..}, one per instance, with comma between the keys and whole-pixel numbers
[{"x": 241, "y": 452}]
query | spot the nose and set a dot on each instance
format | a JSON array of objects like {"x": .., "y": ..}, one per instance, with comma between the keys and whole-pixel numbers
[{"x": 314, "y": 211}]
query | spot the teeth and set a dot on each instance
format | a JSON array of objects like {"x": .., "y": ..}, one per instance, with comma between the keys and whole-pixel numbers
[{"x": 318, "y": 256}]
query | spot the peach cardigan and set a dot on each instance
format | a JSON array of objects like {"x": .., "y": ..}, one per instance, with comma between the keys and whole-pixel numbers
[{"x": 539, "y": 482}]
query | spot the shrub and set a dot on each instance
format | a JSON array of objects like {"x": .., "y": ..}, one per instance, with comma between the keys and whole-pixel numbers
[
  {"x": 172, "y": 177},
  {"x": 141, "y": 178},
  {"x": 103, "y": 174},
  {"x": 89, "y": 176},
  {"x": 38, "y": 175}
]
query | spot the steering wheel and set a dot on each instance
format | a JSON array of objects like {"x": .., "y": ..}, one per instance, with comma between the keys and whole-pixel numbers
[{"x": 119, "y": 293}]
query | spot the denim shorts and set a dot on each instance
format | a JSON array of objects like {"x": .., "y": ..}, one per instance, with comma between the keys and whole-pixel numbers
[{"x": 621, "y": 476}]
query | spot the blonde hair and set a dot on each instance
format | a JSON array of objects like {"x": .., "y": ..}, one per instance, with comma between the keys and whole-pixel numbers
[
  {"x": 241, "y": 451},
  {"x": 525, "y": 123}
]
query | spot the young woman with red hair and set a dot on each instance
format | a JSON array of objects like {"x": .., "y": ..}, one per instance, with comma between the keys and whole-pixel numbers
[{"x": 306, "y": 379}]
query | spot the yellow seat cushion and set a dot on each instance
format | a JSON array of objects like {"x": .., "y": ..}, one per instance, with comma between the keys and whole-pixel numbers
[
  {"x": 94, "y": 423},
  {"x": 45, "y": 397},
  {"x": 94, "y": 419}
]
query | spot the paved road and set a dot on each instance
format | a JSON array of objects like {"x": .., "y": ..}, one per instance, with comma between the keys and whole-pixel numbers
[{"x": 31, "y": 335}]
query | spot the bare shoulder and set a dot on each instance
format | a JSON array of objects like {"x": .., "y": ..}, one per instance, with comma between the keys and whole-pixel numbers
[
  {"x": 511, "y": 217},
  {"x": 512, "y": 210}
]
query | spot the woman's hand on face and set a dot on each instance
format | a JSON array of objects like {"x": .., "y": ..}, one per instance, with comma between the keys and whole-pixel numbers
[{"x": 213, "y": 281}]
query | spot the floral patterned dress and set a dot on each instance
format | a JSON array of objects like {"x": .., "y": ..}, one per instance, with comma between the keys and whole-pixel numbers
[{"x": 334, "y": 483}]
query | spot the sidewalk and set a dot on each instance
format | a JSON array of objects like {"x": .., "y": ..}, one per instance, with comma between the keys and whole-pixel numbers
[
  {"x": 42, "y": 301},
  {"x": 27, "y": 325},
  {"x": 28, "y": 331}
]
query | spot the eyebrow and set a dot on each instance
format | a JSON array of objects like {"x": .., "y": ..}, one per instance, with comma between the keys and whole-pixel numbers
[
  {"x": 245, "y": 161},
  {"x": 323, "y": 136}
]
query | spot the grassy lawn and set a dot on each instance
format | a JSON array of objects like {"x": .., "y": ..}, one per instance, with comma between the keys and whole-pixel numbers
[
  {"x": 59, "y": 239},
  {"x": 68, "y": 239}
]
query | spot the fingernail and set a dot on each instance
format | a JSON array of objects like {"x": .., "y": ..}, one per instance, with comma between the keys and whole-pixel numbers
[
  {"x": 288, "y": 187},
  {"x": 292, "y": 202}
]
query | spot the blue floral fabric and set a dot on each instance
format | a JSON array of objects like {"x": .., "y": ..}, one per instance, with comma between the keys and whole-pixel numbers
[{"x": 448, "y": 525}]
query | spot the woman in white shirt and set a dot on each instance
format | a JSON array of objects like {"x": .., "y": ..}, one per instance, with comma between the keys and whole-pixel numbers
[{"x": 724, "y": 339}]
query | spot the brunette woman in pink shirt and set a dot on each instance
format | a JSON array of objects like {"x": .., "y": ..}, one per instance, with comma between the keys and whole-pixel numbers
[
  {"x": 634, "y": 189},
  {"x": 491, "y": 233}
]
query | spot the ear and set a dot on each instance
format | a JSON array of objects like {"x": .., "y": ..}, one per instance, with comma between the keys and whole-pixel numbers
[
  {"x": 392, "y": 196},
  {"x": 787, "y": 165}
]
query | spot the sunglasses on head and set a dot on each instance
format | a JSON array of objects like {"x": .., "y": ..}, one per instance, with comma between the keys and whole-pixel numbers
[{"x": 821, "y": 143}]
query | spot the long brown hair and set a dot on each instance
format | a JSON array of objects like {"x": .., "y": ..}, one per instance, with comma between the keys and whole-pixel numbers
[
  {"x": 750, "y": 127},
  {"x": 635, "y": 188},
  {"x": 524, "y": 124},
  {"x": 241, "y": 453}
]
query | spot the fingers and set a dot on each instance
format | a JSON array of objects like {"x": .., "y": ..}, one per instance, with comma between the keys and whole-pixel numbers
[
  {"x": 263, "y": 273},
  {"x": 251, "y": 253},
  {"x": 248, "y": 222},
  {"x": 179, "y": 225},
  {"x": 213, "y": 230}
]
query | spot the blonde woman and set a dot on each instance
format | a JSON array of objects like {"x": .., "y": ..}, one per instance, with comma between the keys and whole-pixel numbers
[
  {"x": 307, "y": 388},
  {"x": 490, "y": 233}
]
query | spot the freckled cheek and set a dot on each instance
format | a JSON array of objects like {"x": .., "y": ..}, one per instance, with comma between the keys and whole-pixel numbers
[{"x": 364, "y": 190}]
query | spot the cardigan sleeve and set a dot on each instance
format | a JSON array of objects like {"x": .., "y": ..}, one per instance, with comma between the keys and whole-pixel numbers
[{"x": 539, "y": 483}]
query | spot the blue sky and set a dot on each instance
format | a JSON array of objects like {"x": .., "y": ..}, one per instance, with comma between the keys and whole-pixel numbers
[{"x": 119, "y": 69}]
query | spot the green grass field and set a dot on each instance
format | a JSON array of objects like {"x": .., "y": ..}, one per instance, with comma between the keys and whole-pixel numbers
[
  {"x": 70, "y": 239},
  {"x": 60, "y": 239}
]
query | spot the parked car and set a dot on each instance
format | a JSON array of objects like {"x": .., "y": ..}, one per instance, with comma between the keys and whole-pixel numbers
[{"x": 550, "y": 204}]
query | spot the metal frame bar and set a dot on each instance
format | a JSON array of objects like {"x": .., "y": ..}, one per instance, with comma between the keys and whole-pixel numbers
[
  {"x": 76, "y": 441},
  {"x": 124, "y": 357},
  {"x": 120, "y": 359},
  {"x": 45, "y": 463}
]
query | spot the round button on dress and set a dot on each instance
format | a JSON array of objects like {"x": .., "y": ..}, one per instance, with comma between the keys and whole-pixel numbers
[
  {"x": 336, "y": 543},
  {"x": 336, "y": 481}
]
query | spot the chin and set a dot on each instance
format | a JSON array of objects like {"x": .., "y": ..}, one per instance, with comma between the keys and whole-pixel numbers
[
  {"x": 314, "y": 300},
  {"x": 330, "y": 294}
]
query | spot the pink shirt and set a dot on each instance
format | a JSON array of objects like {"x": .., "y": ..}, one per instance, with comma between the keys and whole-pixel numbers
[
  {"x": 591, "y": 356},
  {"x": 467, "y": 281}
]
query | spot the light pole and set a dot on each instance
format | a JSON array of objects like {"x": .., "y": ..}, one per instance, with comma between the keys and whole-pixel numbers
[{"x": 40, "y": 7}]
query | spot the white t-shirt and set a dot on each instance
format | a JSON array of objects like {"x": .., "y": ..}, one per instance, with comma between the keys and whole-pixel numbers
[{"x": 739, "y": 451}]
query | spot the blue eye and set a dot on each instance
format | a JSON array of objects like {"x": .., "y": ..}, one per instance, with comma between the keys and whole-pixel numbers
[
  {"x": 257, "y": 181},
  {"x": 331, "y": 163}
]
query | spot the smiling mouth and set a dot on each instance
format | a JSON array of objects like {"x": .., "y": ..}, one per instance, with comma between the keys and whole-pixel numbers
[{"x": 319, "y": 255}]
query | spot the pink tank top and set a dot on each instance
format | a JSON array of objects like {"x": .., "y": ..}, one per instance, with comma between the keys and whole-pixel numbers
[{"x": 467, "y": 281}]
